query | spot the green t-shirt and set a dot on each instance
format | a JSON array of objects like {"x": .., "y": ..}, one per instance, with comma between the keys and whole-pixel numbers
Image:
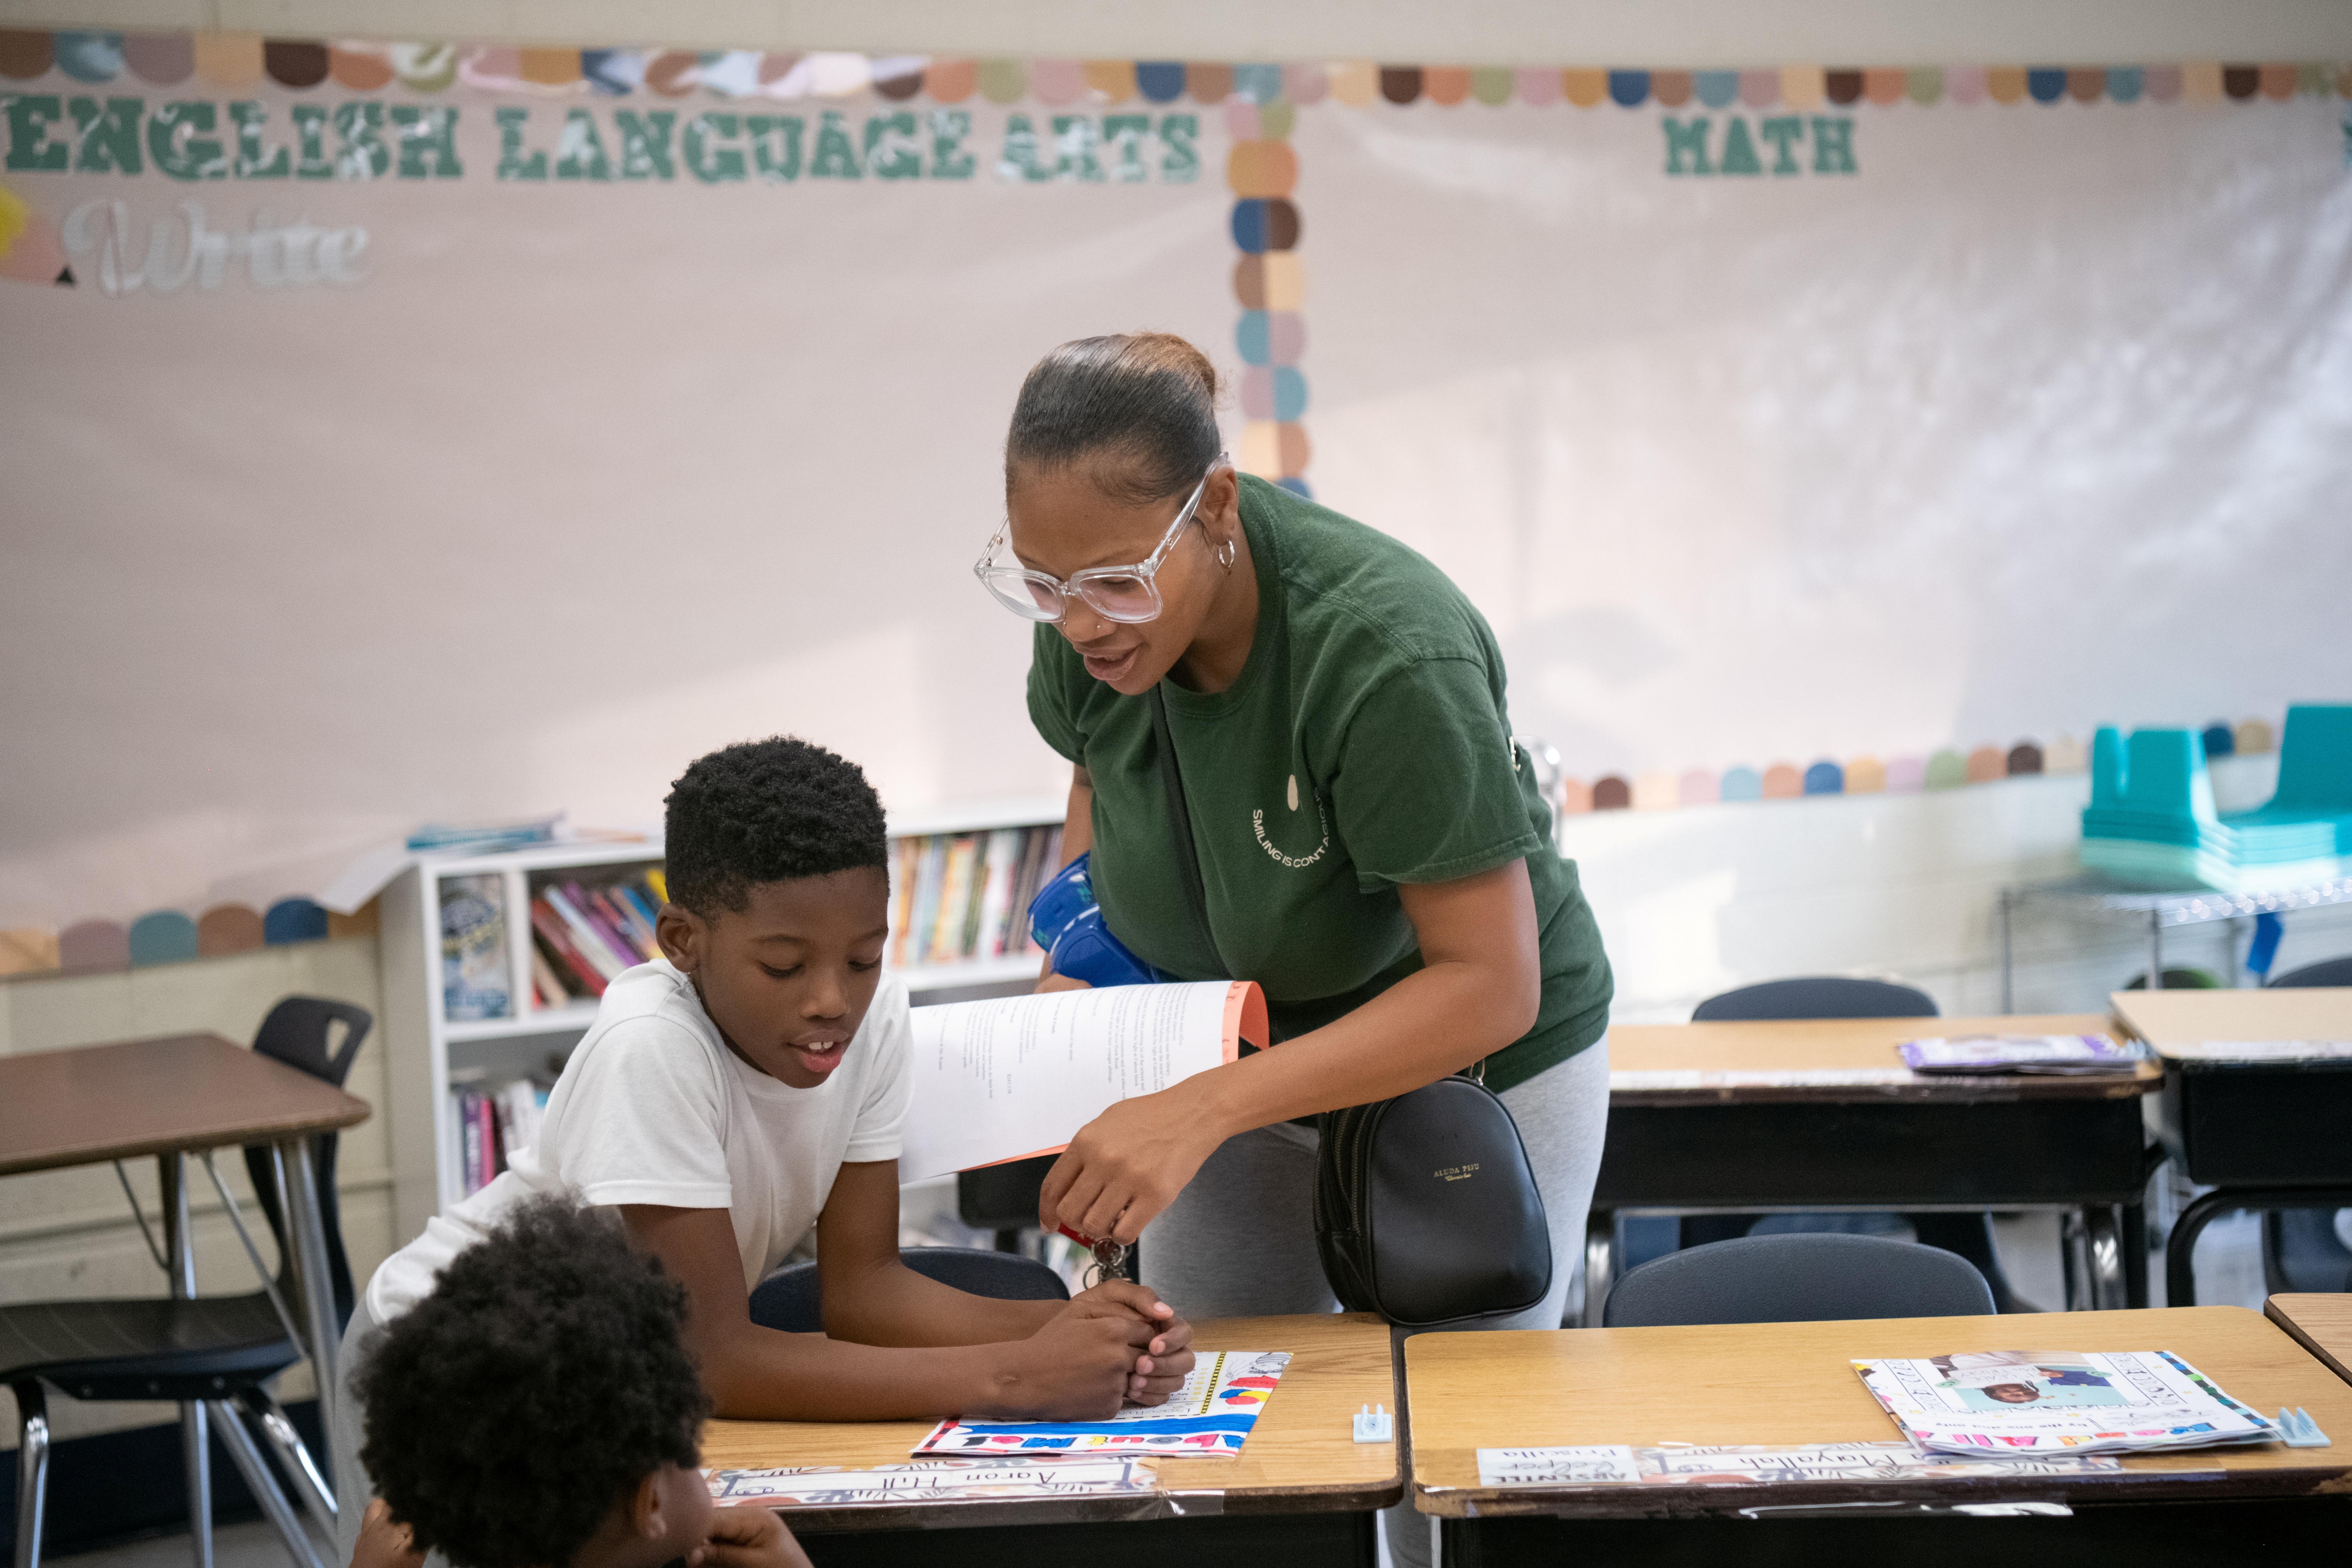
[{"x": 1365, "y": 744}]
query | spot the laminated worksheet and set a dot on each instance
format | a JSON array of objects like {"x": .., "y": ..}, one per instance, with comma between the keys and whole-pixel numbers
[
  {"x": 1009, "y": 1079},
  {"x": 1210, "y": 1416},
  {"x": 2033, "y": 1402}
]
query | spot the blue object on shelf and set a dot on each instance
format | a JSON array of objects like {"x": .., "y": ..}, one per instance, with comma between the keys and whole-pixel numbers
[
  {"x": 2262, "y": 952},
  {"x": 2152, "y": 818}
]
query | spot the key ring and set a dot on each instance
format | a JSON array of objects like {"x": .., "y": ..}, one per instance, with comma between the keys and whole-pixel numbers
[{"x": 1111, "y": 1263}]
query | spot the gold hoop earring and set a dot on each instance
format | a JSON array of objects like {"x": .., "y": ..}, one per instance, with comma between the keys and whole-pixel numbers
[{"x": 1225, "y": 555}]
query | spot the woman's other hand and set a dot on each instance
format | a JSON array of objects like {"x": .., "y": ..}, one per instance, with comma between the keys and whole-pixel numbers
[
  {"x": 1129, "y": 1163},
  {"x": 1061, "y": 983}
]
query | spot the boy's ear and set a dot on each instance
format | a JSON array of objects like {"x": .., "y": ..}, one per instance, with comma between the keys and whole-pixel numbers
[
  {"x": 683, "y": 936},
  {"x": 645, "y": 1522}
]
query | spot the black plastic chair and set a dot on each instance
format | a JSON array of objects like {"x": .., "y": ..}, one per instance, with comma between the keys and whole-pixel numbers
[
  {"x": 1002, "y": 1198},
  {"x": 1797, "y": 1280},
  {"x": 217, "y": 1351},
  {"x": 2301, "y": 1251},
  {"x": 1839, "y": 997},
  {"x": 1816, "y": 996},
  {"x": 788, "y": 1299},
  {"x": 2327, "y": 971}
]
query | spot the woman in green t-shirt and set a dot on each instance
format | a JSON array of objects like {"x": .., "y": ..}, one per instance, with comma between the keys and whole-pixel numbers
[{"x": 1375, "y": 851}]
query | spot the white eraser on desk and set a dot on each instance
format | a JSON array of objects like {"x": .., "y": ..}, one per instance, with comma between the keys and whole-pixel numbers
[{"x": 1375, "y": 1425}]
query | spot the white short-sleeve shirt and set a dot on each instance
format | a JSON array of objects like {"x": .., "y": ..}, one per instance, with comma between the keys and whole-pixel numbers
[{"x": 653, "y": 1108}]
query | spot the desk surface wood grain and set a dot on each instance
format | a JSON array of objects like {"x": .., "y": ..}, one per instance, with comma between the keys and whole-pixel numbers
[
  {"x": 117, "y": 1102},
  {"x": 1301, "y": 1455},
  {"x": 2193, "y": 1017},
  {"x": 2324, "y": 1325},
  {"x": 1786, "y": 1383},
  {"x": 1815, "y": 1045}
]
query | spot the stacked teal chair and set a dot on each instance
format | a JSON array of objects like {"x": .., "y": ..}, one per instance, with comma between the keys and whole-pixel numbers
[{"x": 2152, "y": 818}]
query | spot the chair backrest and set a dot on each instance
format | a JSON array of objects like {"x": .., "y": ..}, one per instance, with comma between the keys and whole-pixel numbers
[
  {"x": 789, "y": 1299},
  {"x": 1002, "y": 1197},
  {"x": 2327, "y": 971},
  {"x": 297, "y": 1031},
  {"x": 1797, "y": 1280},
  {"x": 1816, "y": 996}
]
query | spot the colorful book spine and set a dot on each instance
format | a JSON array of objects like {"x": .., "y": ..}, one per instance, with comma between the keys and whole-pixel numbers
[
  {"x": 906, "y": 857},
  {"x": 964, "y": 897},
  {"x": 946, "y": 946},
  {"x": 593, "y": 945},
  {"x": 1000, "y": 862},
  {"x": 555, "y": 939}
]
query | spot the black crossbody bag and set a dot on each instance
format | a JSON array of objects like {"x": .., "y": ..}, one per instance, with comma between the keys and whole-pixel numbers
[{"x": 1426, "y": 1210}]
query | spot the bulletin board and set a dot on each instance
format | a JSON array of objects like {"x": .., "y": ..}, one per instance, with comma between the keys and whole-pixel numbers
[{"x": 415, "y": 432}]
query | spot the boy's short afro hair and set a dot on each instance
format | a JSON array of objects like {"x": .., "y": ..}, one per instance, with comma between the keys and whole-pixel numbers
[
  {"x": 545, "y": 1375},
  {"x": 768, "y": 811}
]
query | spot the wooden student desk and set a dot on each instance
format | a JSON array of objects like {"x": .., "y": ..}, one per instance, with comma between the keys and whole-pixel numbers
[
  {"x": 170, "y": 1097},
  {"x": 1786, "y": 1383},
  {"x": 1301, "y": 1486},
  {"x": 1821, "y": 1114},
  {"x": 2266, "y": 1134},
  {"x": 2322, "y": 1324}
]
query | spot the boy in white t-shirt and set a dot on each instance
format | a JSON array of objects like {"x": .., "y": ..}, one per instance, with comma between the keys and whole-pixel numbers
[{"x": 753, "y": 1083}]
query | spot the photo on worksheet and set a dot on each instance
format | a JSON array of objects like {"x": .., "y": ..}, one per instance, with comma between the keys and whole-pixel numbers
[{"x": 2008, "y": 1380}]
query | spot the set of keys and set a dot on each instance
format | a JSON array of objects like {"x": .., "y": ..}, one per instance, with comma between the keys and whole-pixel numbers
[
  {"x": 1110, "y": 1257},
  {"x": 1110, "y": 1262}
]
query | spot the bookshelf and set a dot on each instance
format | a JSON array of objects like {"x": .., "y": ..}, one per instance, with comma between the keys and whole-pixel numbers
[{"x": 431, "y": 1055}]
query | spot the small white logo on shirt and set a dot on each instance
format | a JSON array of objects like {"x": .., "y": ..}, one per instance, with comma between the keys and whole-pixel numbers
[{"x": 1296, "y": 862}]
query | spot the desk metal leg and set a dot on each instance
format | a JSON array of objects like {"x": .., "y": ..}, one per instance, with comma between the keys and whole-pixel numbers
[
  {"x": 2108, "y": 1273},
  {"x": 1599, "y": 1263},
  {"x": 196, "y": 1443},
  {"x": 2180, "y": 1246},
  {"x": 2007, "y": 959},
  {"x": 300, "y": 1462},
  {"x": 2135, "y": 1255},
  {"x": 262, "y": 1484},
  {"x": 297, "y": 1181},
  {"x": 32, "y": 1470}
]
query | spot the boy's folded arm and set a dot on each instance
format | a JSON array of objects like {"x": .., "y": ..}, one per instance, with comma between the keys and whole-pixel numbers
[
  {"x": 1075, "y": 1368},
  {"x": 872, "y": 1297}
]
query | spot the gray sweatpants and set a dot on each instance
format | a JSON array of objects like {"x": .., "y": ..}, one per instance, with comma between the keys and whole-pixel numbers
[{"x": 1239, "y": 1241}]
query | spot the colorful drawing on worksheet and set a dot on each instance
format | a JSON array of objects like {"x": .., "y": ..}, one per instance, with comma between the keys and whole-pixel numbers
[{"x": 1210, "y": 1415}]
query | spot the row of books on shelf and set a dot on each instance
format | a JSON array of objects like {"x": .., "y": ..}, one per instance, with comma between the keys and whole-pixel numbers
[
  {"x": 585, "y": 937},
  {"x": 492, "y": 1124},
  {"x": 960, "y": 896},
  {"x": 954, "y": 898}
]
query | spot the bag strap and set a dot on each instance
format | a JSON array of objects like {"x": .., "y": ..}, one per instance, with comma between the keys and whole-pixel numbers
[{"x": 1188, "y": 859}]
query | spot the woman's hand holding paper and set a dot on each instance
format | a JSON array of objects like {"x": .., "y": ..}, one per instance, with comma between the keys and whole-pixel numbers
[{"x": 1129, "y": 1163}]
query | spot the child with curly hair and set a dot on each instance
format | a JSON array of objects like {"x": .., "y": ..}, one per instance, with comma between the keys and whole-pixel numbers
[{"x": 539, "y": 1410}]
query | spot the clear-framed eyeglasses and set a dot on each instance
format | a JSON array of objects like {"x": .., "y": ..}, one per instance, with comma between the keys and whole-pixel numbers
[{"x": 1125, "y": 594}]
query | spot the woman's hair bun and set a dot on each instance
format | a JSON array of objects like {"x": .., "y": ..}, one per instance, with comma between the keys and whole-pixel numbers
[{"x": 1141, "y": 406}]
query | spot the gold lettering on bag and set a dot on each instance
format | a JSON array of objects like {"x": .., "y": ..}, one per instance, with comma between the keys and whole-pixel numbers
[{"x": 1457, "y": 1173}]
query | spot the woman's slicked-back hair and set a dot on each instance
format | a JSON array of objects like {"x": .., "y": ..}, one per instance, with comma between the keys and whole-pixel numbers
[{"x": 1139, "y": 408}]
